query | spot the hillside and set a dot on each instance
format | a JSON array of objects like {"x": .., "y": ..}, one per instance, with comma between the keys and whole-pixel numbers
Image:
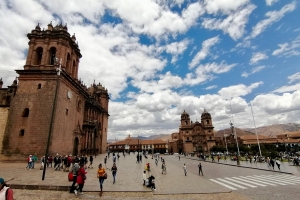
[
  {"x": 270, "y": 130},
  {"x": 275, "y": 129}
]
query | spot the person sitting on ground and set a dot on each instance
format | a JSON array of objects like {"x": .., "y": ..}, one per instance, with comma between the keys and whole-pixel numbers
[
  {"x": 5, "y": 192},
  {"x": 152, "y": 183}
]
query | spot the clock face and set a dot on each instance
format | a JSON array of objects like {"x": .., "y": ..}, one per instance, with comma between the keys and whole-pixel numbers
[{"x": 69, "y": 94}]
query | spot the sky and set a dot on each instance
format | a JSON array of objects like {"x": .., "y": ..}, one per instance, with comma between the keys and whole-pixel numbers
[{"x": 158, "y": 58}]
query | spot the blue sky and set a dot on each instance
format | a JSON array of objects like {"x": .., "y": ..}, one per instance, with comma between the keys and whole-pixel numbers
[{"x": 158, "y": 58}]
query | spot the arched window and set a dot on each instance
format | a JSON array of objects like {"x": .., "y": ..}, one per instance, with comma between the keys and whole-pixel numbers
[
  {"x": 68, "y": 63},
  {"x": 207, "y": 121},
  {"x": 25, "y": 112},
  {"x": 73, "y": 70},
  {"x": 38, "y": 56},
  {"x": 39, "y": 86},
  {"x": 52, "y": 53},
  {"x": 22, "y": 132}
]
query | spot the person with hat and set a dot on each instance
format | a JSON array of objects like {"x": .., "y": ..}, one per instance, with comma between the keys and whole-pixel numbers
[{"x": 5, "y": 192}]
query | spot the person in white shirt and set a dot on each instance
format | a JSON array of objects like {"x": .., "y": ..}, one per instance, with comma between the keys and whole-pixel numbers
[{"x": 144, "y": 177}]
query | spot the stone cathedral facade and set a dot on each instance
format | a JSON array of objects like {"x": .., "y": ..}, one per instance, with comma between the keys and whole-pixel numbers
[
  {"x": 40, "y": 101},
  {"x": 193, "y": 137}
]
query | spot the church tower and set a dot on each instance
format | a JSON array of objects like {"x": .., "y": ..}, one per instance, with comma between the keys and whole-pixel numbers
[{"x": 50, "y": 100}]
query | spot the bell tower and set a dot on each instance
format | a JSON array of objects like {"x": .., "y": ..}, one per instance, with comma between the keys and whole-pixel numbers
[
  {"x": 47, "y": 45},
  {"x": 185, "y": 119}
]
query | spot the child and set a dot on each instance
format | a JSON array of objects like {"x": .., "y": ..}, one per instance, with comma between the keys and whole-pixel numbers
[{"x": 144, "y": 177}]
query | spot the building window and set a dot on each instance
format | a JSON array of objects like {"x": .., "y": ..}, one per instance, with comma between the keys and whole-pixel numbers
[
  {"x": 186, "y": 122},
  {"x": 207, "y": 121},
  {"x": 38, "y": 56},
  {"x": 22, "y": 132},
  {"x": 67, "y": 111},
  {"x": 39, "y": 86},
  {"x": 25, "y": 112},
  {"x": 52, "y": 55}
]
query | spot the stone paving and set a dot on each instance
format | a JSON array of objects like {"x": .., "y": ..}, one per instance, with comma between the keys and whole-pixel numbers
[{"x": 128, "y": 184}]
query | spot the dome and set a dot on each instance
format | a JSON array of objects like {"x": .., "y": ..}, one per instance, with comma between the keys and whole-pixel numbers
[
  {"x": 205, "y": 114},
  {"x": 185, "y": 115}
]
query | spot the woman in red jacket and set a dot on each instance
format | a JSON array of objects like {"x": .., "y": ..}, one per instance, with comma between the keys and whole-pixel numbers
[{"x": 81, "y": 177}]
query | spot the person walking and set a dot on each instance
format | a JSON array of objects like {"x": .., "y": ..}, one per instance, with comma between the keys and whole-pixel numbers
[
  {"x": 114, "y": 170},
  {"x": 91, "y": 162},
  {"x": 164, "y": 168},
  {"x": 81, "y": 178},
  {"x": 105, "y": 160},
  {"x": 75, "y": 173},
  {"x": 200, "y": 169},
  {"x": 272, "y": 163},
  {"x": 278, "y": 163},
  {"x": 184, "y": 169},
  {"x": 5, "y": 192},
  {"x": 101, "y": 176}
]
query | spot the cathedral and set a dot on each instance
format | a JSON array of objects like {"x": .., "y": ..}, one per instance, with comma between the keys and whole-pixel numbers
[
  {"x": 48, "y": 106},
  {"x": 193, "y": 137}
]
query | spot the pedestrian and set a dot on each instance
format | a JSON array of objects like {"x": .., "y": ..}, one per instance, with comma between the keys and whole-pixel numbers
[
  {"x": 81, "y": 178},
  {"x": 144, "y": 177},
  {"x": 137, "y": 158},
  {"x": 272, "y": 163},
  {"x": 164, "y": 168},
  {"x": 75, "y": 169},
  {"x": 200, "y": 169},
  {"x": 114, "y": 170},
  {"x": 91, "y": 162},
  {"x": 105, "y": 160},
  {"x": 278, "y": 163},
  {"x": 156, "y": 161},
  {"x": 101, "y": 176},
  {"x": 5, "y": 192},
  {"x": 184, "y": 169},
  {"x": 179, "y": 157}
]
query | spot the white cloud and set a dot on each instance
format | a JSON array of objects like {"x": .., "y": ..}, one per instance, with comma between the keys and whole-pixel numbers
[
  {"x": 176, "y": 48},
  {"x": 234, "y": 24},
  {"x": 287, "y": 88},
  {"x": 257, "y": 57},
  {"x": 253, "y": 71},
  {"x": 206, "y": 72},
  {"x": 238, "y": 90},
  {"x": 270, "y": 2},
  {"x": 276, "y": 104},
  {"x": 211, "y": 87},
  {"x": 204, "y": 52},
  {"x": 294, "y": 77},
  {"x": 272, "y": 16},
  {"x": 288, "y": 49},
  {"x": 225, "y": 7}
]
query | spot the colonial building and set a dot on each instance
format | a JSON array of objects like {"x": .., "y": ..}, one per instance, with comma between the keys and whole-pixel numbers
[
  {"x": 192, "y": 137},
  {"x": 132, "y": 144},
  {"x": 50, "y": 103}
]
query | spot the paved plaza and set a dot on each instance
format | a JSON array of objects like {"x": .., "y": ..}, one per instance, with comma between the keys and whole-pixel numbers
[{"x": 217, "y": 180}]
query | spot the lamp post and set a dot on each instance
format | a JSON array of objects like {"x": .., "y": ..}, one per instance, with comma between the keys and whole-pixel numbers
[
  {"x": 237, "y": 144},
  {"x": 138, "y": 148},
  {"x": 52, "y": 115},
  {"x": 255, "y": 131}
]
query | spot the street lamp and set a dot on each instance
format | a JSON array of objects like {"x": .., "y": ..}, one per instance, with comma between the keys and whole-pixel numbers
[
  {"x": 138, "y": 148},
  {"x": 237, "y": 144},
  {"x": 52, "y": 115}
]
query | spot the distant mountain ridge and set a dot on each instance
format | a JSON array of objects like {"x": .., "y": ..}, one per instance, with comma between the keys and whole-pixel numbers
[{"x": 269, "y": 130}]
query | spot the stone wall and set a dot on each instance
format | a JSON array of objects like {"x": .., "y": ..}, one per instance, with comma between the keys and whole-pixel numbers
[{"x": 3, "y": 121}]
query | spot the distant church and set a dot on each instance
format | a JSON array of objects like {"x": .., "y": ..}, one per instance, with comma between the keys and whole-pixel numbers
[
  {"x": 197, "y": 137},
  {"x": 49, "y": 98}
]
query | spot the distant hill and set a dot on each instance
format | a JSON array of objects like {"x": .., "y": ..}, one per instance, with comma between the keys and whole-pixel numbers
[
  {"x": 228, "y": 131},
  {"x": 275, "y": 129},
  {"x": 270, "y": 130}
]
